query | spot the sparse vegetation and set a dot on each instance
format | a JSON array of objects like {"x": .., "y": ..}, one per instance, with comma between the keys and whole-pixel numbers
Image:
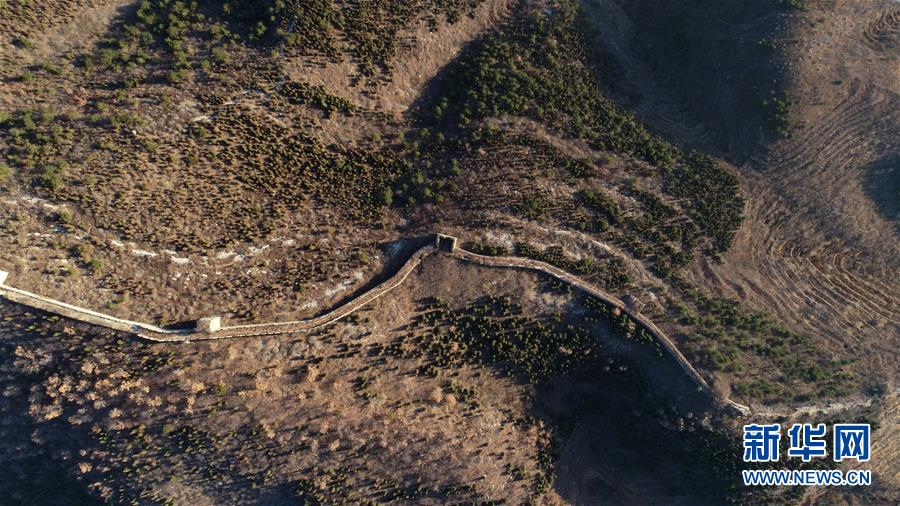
[
  {"x": 5, "y": 172},
  {"x": 537, "y": 68},
  {"x": 777, "y": 111},
  {"x": 496, "y": 331},
  {"x": 725, "y": 337},
  {"x": 609, "y": 273},
  {"x": 261, "y": 158},
  {"x": 38, "y": 141},
  {"x": 122, "y": 412},
  {"x": 311, "y": 28},
  {"x": 714, "y": 196},
  {"x": 302, "y": 93}
]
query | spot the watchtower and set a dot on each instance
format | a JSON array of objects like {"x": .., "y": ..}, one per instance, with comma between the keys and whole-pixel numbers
[
  {"x": 446, "y": 243},
  {"x": 209, "y": 325}
]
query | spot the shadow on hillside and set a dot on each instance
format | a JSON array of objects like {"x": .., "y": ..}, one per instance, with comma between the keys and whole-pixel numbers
[
  {"x": 422, "y": 109},
  {"x": 630, "y": 429},
  {"x": 882, "y": 184},
  {"x": 626, "y": 425},
  {"x": 38, "y": 467},
  {"x": 621, "y": 444},
  {"x": 694, "y": 72}
]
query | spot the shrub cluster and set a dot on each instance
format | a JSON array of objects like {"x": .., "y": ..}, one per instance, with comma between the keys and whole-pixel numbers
[
  {"x": 495, "y": 331},
  {"x": 39, "y": 142},
  {"x": 713, "y": 194},
  {"x": 611, "y": 273},
  {"x": 312, "y": 27},
  {"x": 537, "y": 67},
  {"x": 302, "y": 93},
  {"x": 770, "y": 361}
]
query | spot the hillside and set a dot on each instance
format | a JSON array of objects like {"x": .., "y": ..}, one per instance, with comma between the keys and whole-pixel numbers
[{"x": 728, "y": 170}]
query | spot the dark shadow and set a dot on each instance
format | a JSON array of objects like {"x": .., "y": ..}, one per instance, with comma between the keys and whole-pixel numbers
[
  {"x": 621, "y": 443},
  {"x": 628, "y": 427},
  {"x": 628, "y": 430},
  {"x": 182, "y": 325},
  {"x": 881, "y": 181},
  {"x": 626, "y": 423},
  {"x": 422, "y": 108},
  {"x": 694, "y": 72},
  {"x": 32, "y": 471}
]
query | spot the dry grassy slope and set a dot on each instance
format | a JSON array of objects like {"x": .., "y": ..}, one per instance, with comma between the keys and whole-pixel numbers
[
  {"x": 52, "y": 28},
  {"x": 837, "y": 287},
  {"x": 37, "y": 250},
  {"x": 423, "y": 52},
  {"x": 819, "y": 247},
  {"x": 287, "y": 409},
  {"x": 830, "y": 270},
  {"x": 23, "y": 19},
  {"x": 823, "y": 241},
  {"x": 248, "y": 281},
  {"x": 885, "y": 462}
]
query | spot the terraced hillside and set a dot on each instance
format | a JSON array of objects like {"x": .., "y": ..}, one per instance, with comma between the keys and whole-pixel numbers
[
  {"x": 821, "y": 240},
  {"x": 818, "y": 246}
]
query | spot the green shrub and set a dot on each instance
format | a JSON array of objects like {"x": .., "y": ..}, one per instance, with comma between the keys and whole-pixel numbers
[
  {"x": 483, "y": 248},
  {"x": 95, "y": 266},
  {"x": 220, "y": 55},
  {"x": 24, "y": 43},
  {"x": 51, "y": 68},
  {"x": 303, "y": 93},
  {"x": 776, "y": 114},
  {"x": 177, "y": 76},
  {"x": 51, "y": 176},
  {"x": 82, "y": 250}
]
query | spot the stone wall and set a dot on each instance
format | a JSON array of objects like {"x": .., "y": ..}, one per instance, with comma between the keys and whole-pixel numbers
[{"x": 211, "y": 328}]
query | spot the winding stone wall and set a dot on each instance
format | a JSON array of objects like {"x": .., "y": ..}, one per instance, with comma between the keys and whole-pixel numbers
[{"x": 206, "y": 332}]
